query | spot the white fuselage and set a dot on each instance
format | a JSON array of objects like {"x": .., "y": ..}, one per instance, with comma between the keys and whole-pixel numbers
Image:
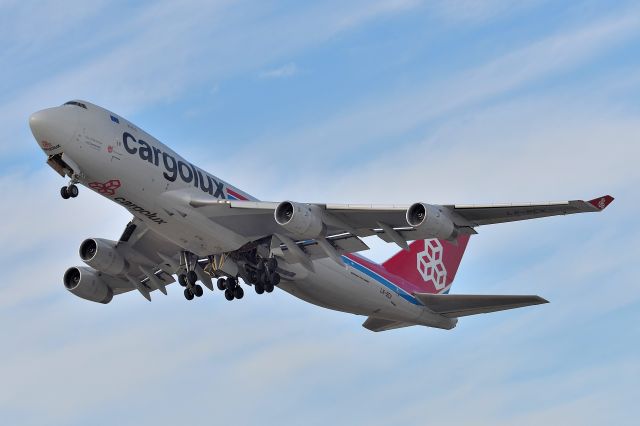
[{"x": 132, "y": 168}]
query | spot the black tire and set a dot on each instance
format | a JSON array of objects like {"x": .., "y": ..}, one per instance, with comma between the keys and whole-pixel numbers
[
  {"x": 198, "y": 291},
  {"x": 231, "y": 283},
  {"x": 182, "y": 279},
  {"x": 253, "y": 277},
  {"x": 222, "y": 283},
  {"x": 73, "y": 191},
  {"x": 238, "y": 292},
  {"x": 259, "y": 288},
  {"x": 268, "y": 287},
  {"x": 188, "y": 294},
  {"x": 192, "y": 277},
  {"x": 64, "y": 193},
  {"x": 228, "y": 294},
  {"x": 272, "y": 264},
  {"x": 275, "y": 278}
]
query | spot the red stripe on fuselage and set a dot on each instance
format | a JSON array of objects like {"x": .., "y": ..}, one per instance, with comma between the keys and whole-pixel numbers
[{"x": 235, "y": 194}]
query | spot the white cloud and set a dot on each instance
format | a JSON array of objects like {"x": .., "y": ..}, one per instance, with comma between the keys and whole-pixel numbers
[
  {"x": 383, "y": 118},
  {"x": 287, "y": 70},
  {"x": 172, "y": 47}
]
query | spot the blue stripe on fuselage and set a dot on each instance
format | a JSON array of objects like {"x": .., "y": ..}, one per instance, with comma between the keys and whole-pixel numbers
[{"x": 382, "y": 280}]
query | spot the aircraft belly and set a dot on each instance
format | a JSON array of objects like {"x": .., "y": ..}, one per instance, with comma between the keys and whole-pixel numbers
[{"x": 336, "y": 287}]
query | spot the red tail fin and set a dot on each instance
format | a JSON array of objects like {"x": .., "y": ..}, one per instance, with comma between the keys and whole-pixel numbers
[{"x": 429, "y": 264}]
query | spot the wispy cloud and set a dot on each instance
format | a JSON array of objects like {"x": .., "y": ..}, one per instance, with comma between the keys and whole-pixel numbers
[
  {"x": 386, "y": 116},
  {"x": 209, "y": 42},
  {"x": 287, "y": 70}
]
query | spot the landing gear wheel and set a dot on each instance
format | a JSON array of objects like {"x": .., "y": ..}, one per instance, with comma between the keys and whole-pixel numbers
[
  {"x": 268, "y": 287},
  {"x": 182, "y": 279},
  {"x": 259, "y": 288},
  {"x": 264, "y": 278},
  {"x": 231, "y": 283},
  {"x": 72, "y": 190},
  {"x": 238, "y": 292},
  {"x": 64, "y": 193},
  {"x": 192, "y": 277},
  {"x": 188, "y": 294},
  {"x": 198, "y": 291},
  {"x": 222, "y": 284},
  {"x": 272, "y": 263},
  {"x": 275, "y": 278},
  {"x": 228, "y": 294}
]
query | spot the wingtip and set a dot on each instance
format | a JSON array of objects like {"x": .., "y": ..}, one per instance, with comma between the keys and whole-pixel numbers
[{"x": 601, "y": 203}]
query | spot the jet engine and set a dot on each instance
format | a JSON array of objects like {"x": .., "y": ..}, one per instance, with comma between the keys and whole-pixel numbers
[
  {"x": 431, "y": 222},
  {"x": 101, "y": 255},
  {"x": 88, "y": 284},
  {"x": 302, "y": 220}
]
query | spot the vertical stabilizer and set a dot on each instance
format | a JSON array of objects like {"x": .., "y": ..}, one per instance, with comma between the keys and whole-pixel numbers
[{"x": 429, "y": 264}]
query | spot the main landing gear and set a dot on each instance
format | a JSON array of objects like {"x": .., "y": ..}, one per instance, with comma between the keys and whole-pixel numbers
[
  {"x": 232, "y": 289},
  {"x": 189, "y": 279},
  {"x": 260, "y": 272},
  {"x": 265, "y": 277},
  {"x": 69, "y": 191}
]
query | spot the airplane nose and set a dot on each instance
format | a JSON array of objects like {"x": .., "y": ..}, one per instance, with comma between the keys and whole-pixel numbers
[{"x": 53, "y": 128}]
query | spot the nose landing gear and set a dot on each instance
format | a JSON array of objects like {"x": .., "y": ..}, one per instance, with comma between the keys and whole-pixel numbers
[{"x": 69, "y": 191}]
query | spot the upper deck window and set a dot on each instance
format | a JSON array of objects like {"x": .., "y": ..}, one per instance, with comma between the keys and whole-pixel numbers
[{"x": 81, "y": 105}]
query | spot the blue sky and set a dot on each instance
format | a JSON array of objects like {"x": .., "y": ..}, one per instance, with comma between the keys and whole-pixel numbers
[{"x": 367, "y": 101}]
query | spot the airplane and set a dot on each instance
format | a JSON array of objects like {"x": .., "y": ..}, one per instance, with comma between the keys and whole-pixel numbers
[{"x": 191, "y": 224}]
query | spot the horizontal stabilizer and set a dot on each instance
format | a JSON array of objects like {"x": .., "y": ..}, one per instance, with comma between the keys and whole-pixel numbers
[
  {"x": 381, "y": 324},
  {"x": 460, "y": 305}
]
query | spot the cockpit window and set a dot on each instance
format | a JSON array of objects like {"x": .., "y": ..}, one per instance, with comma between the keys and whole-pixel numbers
[{"x": 81, "y": 105}]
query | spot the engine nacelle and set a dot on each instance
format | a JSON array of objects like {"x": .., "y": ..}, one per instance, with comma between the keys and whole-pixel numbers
[
  {"x": 88, "y": 284},
  {"x": 101, "y": 255},
  {"x": 431, "y": 222},
  {"x": 302, "y": 220}
]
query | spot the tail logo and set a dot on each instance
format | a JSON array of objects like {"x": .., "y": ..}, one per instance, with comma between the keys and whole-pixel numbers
[
  {"x": 602, "y": 203},
  {"x": 430, "y": 264}
]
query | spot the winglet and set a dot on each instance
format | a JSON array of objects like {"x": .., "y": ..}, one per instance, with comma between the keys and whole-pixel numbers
[{"x": 601, "y": 203}]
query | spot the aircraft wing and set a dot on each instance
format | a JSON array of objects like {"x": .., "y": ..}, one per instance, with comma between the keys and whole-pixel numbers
[
  {"x": 152, "y": 252},
  {"x": 256, "y": 218},
  {"x": 477, "y": 215}
]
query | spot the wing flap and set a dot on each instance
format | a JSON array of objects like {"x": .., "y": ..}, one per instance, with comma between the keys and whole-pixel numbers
[
  {"x": 460, "y": 305},
  {"x": 343, "y": 244}
]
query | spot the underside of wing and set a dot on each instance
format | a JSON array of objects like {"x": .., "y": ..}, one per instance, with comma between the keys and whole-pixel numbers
[{"x": 477, "y": 215}]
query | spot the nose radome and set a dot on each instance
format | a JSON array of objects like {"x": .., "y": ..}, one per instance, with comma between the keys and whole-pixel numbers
[{"x": 53, "y": 127}]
